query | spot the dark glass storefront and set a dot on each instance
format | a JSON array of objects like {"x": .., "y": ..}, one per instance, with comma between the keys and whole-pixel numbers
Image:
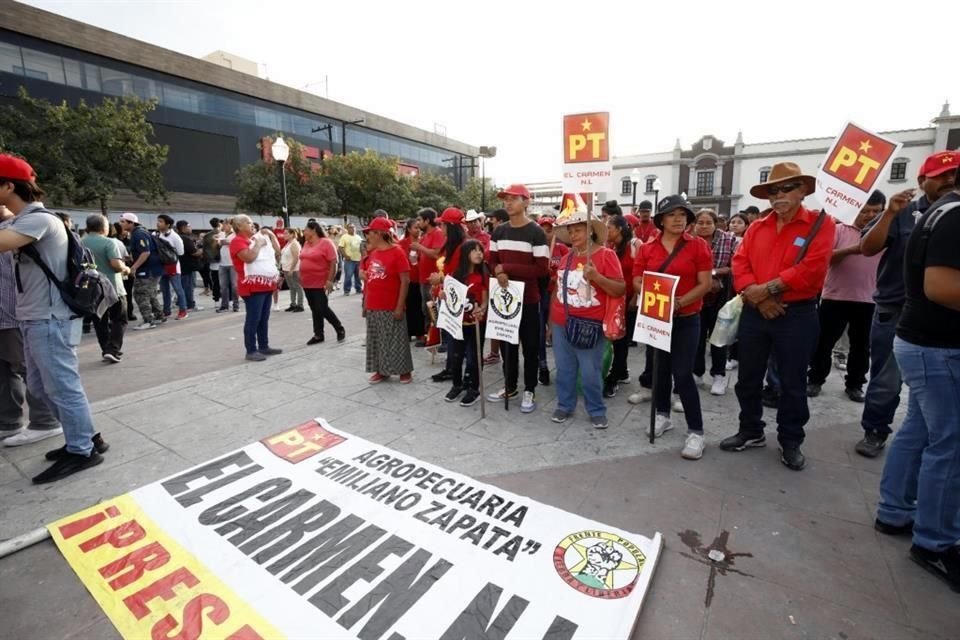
[{"x": 211, "y": 132}]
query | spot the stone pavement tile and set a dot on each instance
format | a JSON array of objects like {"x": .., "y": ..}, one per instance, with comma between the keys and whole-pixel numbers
[
  {"x": 375, "y": 424},
  {"x": 578, "y": 482},
  {"x": 49, "y": 600},
  {"x": 496, "y": 461},
  {"x": 870, "y": 489},
  {"x": 398, "y": 396},
  {"x": 204, "y": 437},
  {"x": 929, "y": 602},
  {"x": 812, "y": 554},
  {"x": 265, "y": 393},
  {"x": 170, "y": 410},
  {"x": 101, "y": 629},
  {"x": 758, "y": 474},
  {"x": 9, "y": 472},
  {"x": 514, "y": 428},
  {"x": 750, "y": 608},
  {"x": 440, "y": 442},
  {"x": 306, "y": 405},
  {"x": 673, "y": 607}
]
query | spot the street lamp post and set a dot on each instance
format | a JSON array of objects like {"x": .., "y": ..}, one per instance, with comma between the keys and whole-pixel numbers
[
  {"x": 485, "y": 152},
  {"x": 656, "y": 194},
  {"x": 634, "y": 180},
  {"x": 281, "y": 151}
]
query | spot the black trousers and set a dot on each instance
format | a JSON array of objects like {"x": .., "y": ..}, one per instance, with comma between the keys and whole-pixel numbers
[
  {"x": 128, "y": 288},
  {"x": 214, "y": 284},
  {"x": 460, "y": 351},
  {"x": 530, "y": 344},
  {"x": 621, "y": 348},
  {"x": 111, "y": 326},
  {"x": 835, "y": 317},
  {"x": 320, "y": 310}
]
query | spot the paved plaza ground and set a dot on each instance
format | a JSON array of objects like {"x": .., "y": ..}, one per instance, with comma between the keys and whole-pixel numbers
[{"x": 807, "y": 562}]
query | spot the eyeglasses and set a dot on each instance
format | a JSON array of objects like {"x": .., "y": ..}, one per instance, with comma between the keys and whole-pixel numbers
[{"x": 783, "y": 188}]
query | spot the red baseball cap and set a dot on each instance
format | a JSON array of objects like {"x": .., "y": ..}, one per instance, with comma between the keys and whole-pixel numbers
[
  {"x": 515, "y": 190},
  {"x": 546, "y": 221},
  {"x": 451, "y": 215},
  {"x": 14, "y": 168},
  {"x": 939, "y": 163},
  {"x": 379, "y": 224}
]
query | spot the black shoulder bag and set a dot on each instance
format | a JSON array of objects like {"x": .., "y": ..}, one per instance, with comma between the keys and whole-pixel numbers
[{"x": 582, "y": 333}]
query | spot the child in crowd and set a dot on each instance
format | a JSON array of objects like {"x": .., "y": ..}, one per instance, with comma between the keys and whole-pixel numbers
[{"x": 472, "y": 271}]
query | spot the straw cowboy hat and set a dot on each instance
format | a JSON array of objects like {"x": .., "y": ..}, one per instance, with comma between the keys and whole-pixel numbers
[
  {"x": 563, "y": 223},
  {"x": 784, "y": 172}
]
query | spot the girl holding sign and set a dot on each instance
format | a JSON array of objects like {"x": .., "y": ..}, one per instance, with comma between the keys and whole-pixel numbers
[
  {"x": 587, "y": 276},
  {"x": 473, "y": 272},
  {"x": 678, "y": 253}
]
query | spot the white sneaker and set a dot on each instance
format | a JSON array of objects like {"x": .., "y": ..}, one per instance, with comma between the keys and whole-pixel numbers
[
  {"x": 144, "y": 326},
  {"x": 28, "y": 436},
  {"x": 6, "y": 433},
  {"x": 529, "y": 402},
  {"x": 639, "y": 397},
  {"x": 719, "y": 386},
  {"x": 732, "y": 364},
  {"x": 698, "y": 380},
  {"x": 678, "y": 406},
  {"x": 197, "y": 308},
  {"x": 276, "y": 307},
  {"x": 693, "y": 448},
  {"x": 661, "y": 425}
]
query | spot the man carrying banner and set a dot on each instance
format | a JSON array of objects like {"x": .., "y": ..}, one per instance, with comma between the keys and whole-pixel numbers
[
  {"x": 519, "y": 251},
  {"x": 779, "y": 269}
]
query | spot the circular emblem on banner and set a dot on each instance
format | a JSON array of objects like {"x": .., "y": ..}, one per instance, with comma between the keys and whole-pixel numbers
[
  {"x": 453, "y": 301},
  {"x": 599, "y": 564},
  {"x": 505, "y": 303}
]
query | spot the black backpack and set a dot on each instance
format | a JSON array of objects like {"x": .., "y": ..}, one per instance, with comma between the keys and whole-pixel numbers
[
  {"x": 84, "y": 288},
  {"x": 165, "y": 251}
]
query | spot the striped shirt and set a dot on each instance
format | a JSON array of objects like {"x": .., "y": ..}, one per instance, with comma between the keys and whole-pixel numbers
[
  {"x": 723, "y": 246},
  {"x": 524, "y": 255},
  {"x": 8, "y": 288}
]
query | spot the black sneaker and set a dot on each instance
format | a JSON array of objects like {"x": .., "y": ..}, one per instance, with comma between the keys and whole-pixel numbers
[
  {"x": 893, "y": 529},
  {"x": 770, "y": 398},
  {"x": 420, "y": 343},
  {"x": 610, "y": 389},
  {"x": 443, "y": 376},
  {"x": 855, "y": 394},
  {"x": 871, "y": 445},
  {"x": 341, "y": 334},
  {"x": 792, "y": 458},
  {"x": 99, "y": 445},
  {"x": 66, "y": 465},
  {"x": 270, "y": 351},
  {"x": 314, "y": 340},
  {"x": 813, "y": 390},
  {"x": 740, "y": 441},
  {"x": 943, "y": 564},
  {"x": 453, "y": 394},
  {"x": 624, "y": 378},
  {"x": 470, "y": 398},
  {"x": 544, "y": 376}
]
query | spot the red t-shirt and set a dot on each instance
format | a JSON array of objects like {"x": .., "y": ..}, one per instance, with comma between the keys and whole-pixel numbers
[
  {"x": 590, "y": 306},
  {"x": 316, "y": 260},
  {"x": 560, "y": 251},
  {"x": 694, "y": 257},
  {"x": 247, "y": 286},
  {"x": 414, "y": 258},
  {"x": 449, "y": 266},
  {"x": 477, "y": 284},
  {"x": 383, "y": 268},
  {"x": 433, "y": 239},
  {"x": 645, "y": 231},
  {"x": 626, "y": 264}
]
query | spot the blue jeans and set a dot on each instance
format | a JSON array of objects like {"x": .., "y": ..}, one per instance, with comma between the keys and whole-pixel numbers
[
  {"x": 570, "y": 361},
  {"x": 187, "y": 283},
  {"x": 53, "y": 376},
  {"x": 228, "y": 287},
  {"x": 678, "y": 365},
  {"x": 257, "y": 320},
  {"x": 351, "y": 276},
  {"x": 883, "y": 391},
  {"x": 791, "y": 339},
  {"x": 165, "y": 282},
  {"x": 921, "y": 477}
]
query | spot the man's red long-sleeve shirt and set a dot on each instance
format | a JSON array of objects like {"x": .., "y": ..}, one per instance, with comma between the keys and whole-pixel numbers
[{"x": 766, "y": 254}]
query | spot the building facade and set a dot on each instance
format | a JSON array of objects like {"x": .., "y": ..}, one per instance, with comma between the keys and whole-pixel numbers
[
  {"x": 718, "y": 175},
  {"x": 211, "y": 115}
]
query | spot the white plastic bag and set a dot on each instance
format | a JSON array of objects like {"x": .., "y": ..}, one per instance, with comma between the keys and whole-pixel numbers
[{"x": 728, "y": 322}]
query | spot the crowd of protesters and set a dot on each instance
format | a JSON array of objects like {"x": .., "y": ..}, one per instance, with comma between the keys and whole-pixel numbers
[{"x": 890, "y": 280}]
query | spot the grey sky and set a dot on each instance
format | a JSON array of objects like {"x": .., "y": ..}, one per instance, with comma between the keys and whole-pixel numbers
[{"x": 503, "y": 73}]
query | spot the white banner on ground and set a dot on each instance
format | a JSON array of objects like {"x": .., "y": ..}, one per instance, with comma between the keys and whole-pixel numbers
[
  {"x": 655, "y": 310},
  {"x": 450, "y": 318},
  {"x": 316, "y": 533},
  {"x": 852, "y": 167},
  {"x": 505, "y": 312}
]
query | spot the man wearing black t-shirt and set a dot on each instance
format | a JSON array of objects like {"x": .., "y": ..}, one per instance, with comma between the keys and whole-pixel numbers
[{"x": 920, "y": 486}]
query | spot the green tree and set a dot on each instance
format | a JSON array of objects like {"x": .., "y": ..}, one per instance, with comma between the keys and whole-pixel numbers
[
  {"x": 83, "y": 154},
  {"x": 259, "y": 190},
  {"x": 472, "y": 196},
  {"x": 436, "y": 192},
  {"x": 367, "y": 181}
]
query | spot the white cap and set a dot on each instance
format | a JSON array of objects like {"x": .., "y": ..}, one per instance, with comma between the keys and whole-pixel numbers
[
  {"x": 473, "y": 215},
  {"x": 130, "y": 217}
]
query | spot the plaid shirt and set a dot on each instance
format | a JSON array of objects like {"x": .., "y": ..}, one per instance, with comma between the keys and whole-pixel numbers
[
  {"x": 8, "y": 288},
  {"x": 723, "y": 246}
]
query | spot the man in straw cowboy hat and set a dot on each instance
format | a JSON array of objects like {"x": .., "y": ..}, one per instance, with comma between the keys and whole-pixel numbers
[{"x": 779, "y": 270}]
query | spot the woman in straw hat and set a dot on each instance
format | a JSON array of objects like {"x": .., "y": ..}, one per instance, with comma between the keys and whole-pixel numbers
[{"x": 586, "y": 277}]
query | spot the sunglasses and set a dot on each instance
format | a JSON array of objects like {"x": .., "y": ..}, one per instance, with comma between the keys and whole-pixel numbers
[{"x": 783, "y": 188}]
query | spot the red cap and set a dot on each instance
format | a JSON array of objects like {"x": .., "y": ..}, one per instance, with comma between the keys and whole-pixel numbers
[
  {"x": 546, "y": 221},
  {"x": 940, "y": 163},
  {"x": 515, "y": 190},
  {"x": 14, "y": 168},
  {"x": 379, "y": 224},
  {"x": 451, "y": 215}
]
